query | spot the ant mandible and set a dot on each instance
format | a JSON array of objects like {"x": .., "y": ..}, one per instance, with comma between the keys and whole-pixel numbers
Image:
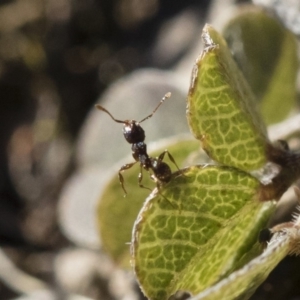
[{"x": 135, "y": 135}]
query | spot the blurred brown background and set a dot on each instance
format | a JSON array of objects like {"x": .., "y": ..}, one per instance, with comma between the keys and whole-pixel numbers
[{"x": 57, "y": 57}]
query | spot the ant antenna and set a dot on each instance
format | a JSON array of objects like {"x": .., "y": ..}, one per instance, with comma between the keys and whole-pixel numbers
[
  {"x": 165, "y": 97},
  {"x": 103, "y": 109}
]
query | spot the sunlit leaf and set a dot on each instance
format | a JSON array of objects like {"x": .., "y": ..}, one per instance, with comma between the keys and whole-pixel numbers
[
  {"x": 197, "y": 229},
  {"x": 242, "y": 283},
  {"x": 221, "y": 108}
]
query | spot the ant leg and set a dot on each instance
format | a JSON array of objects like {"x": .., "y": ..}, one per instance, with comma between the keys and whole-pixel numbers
[
  {"x": 121, "y": 179},
  {"x": 157, "y": 185},
  {"x": 161, "y": 157},
  {"x": 141, "y": 178},
  {"x": 158, "y": 190}
]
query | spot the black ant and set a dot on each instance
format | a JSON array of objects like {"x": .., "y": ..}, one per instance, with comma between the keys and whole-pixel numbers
[
  {"x": 265, "y": 236},
  {"x": 135, "y": 135}
]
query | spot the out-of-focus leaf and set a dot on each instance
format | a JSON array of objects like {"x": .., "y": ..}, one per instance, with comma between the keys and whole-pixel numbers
[
  {"x": 221, "y": 108},
  {"x": 267, "y": 55},
  {"x": 116, "y": 214},
  {"x": 198, "y": 228}
]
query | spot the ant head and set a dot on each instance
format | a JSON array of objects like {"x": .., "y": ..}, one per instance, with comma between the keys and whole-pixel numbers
[{"x": 133, "y": 132}]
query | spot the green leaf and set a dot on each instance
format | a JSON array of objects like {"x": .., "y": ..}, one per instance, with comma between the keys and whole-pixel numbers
[
  {"x": 267, "y": 54},
  {"x": 242, "y": 283},
  {"x": 280, "y": 97},
  {"x": 197, "y": 229},
  {"x": 221, "y": 108},
  {"x": 116, "y": 214}
]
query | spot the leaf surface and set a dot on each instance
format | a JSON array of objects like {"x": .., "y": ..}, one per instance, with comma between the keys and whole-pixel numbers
[
  {"x": 242, "y": 283},
  {"x": 221, "y": 108},
  {"x": 197, "y": 229}
]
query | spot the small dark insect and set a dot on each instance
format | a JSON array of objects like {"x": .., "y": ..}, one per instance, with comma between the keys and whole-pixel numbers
[
  {"x": 265, "y": 236},
  {"x": 135, "y": 135}
]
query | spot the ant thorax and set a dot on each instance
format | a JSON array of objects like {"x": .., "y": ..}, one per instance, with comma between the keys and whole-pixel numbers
[
  {"x": 133, "y": 132},
  {"x": 139, "y": 153}
]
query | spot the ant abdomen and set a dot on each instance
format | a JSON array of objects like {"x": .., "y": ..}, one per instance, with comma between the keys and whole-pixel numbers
[{"x": 161, "y": 170}]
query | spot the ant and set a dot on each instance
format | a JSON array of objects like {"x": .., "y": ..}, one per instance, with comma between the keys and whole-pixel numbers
[
  {"x": 265, "y": 236},
  {"x": 134, "y": 134}
]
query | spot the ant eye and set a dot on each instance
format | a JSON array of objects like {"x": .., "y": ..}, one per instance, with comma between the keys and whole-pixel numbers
[{"x": 133, "y": 133}]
